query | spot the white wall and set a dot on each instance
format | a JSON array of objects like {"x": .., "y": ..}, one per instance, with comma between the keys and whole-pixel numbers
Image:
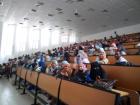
[{"x": 120, "y": 31}]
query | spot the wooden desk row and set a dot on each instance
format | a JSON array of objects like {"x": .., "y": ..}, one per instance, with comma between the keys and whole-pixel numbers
[
  {"x": 133, "y": 42},
  {"x": 134, "y": 59},
  {"x": 128, "y": 50},
  {"x": 70, "y": 93},
  {"x": 129, "y": 45},
  {"x": 128, "y": 77}
]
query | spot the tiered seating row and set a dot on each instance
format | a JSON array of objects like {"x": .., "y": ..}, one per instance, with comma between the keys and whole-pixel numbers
[
  {"x": 70, "y": 93},
  {"x": 134, "y": 59},
  {"x": 128, "y": 77}
]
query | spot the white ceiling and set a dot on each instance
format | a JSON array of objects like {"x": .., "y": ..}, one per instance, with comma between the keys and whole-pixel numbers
[{"x": 120, "y": 13}]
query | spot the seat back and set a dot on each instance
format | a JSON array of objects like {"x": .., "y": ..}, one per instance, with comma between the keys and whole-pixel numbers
[
  {"x": 128, "y": 77},
  {"x": 23, "y": 73},
  {"x": 134, "y": 59},
  {"x": 18, "y": 71},
  {"x": 48, "y": 84},
  {"x": 129, "y": 46},
  {"x": 32, "y": 77},
  {"x": 132, "y": 50},
  {"x": 77, "y": 94}
]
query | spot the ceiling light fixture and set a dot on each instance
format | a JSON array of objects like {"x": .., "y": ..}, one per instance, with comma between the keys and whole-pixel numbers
[
  {"x": 34, "y": 26},
  {"x": 56, "y": 26},
  {"x": 40, "y": 21},
  {"x": 59, "y": 9},
  {"x": 50, "y": 15},
  {"x": 91, "y": 10},
  {"x": 126, "y": 19},
  {"x": 83, "y": 19},
  {"x": 60, "y": 12},
  {"x": 76, "y": 13},
  {"x": 39, "y": 3},
  {"x": 34, "y": 10},
  {"x": 104, "y": 26},
  {"x": 26, "y": 18},
  {"x": 80, "y": 0},
  {"x": 1, "y": 2},
  {"x": 69, "y": 20},
  {"x": 69, "y": 1},
  {"x": 105, "y": 11}
]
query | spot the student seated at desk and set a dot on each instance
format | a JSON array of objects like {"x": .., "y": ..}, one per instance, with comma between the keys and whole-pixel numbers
[
  {"x": 112, "y": 48},
  {"x": 81, "y": 57},
  {"x": 81, "y": 75},
  {"x": 102, "y": 58},
  {"x": 53, "y": 68},
  {"x": 97, "y": 72},
  {"x": 120, "y": 59},
  {"x": 91, "y": 50},
  {"x": 66, "y": 71}
]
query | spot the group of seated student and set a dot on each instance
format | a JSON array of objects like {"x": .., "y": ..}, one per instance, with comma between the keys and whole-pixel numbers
[
  {"x": 81, "y": 51},
  {"x": 63, "y": 68}
]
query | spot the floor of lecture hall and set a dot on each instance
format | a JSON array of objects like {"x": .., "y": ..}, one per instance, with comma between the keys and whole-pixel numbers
[{"x": 10, "y": 96}]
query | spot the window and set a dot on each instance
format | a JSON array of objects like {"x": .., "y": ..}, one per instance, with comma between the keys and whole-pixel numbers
[
  {"x": 55, "y": 37},
  {"x": 21, "y": 38},
  {"x": 72, "y": 38},
  {"x": 7, "y": 40},
  {"x": 34, "y": 39},
  {"x": 64, "y": 39},
  {"x": 45, "y": 37}
]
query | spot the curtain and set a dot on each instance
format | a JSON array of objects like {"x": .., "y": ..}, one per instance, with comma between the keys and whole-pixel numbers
[
  {"x": 34, "y": 39},
  {"x": 64, "y": 39},
  {"x": 72, "y": 37},
  {"x": 45, "y": 37},
  {"x": 7, "y": 41},
  {"x": 21, "y": 38},
  {"x": 55, "y": 37}
]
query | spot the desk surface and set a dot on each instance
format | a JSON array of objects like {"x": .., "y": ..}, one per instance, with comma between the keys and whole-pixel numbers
[{"x": 122, "y": 93}]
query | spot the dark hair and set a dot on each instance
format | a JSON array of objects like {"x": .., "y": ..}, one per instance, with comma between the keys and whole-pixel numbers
[{"x": 81, "y": 48}]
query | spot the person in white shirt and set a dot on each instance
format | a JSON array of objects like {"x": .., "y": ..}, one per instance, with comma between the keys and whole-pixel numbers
[
  {"x": 120, "y": 59},
  {"x": 81, "y": 57},
  {"x": 113, "y": 48}
]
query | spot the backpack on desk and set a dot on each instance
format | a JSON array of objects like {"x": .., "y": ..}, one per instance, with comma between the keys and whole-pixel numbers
[{"x": 96, "y": 70}]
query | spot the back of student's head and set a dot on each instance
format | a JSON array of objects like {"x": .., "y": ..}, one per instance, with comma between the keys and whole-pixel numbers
[{"x": 81, "y": 48}]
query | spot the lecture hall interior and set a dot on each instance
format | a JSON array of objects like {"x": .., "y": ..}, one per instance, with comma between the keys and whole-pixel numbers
[{"x": 69, "y": 52}]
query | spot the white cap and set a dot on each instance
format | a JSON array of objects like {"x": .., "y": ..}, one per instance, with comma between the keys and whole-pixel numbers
[
  {"x": 65, "y": 62},
  {"x": 101, "y": 49}
]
